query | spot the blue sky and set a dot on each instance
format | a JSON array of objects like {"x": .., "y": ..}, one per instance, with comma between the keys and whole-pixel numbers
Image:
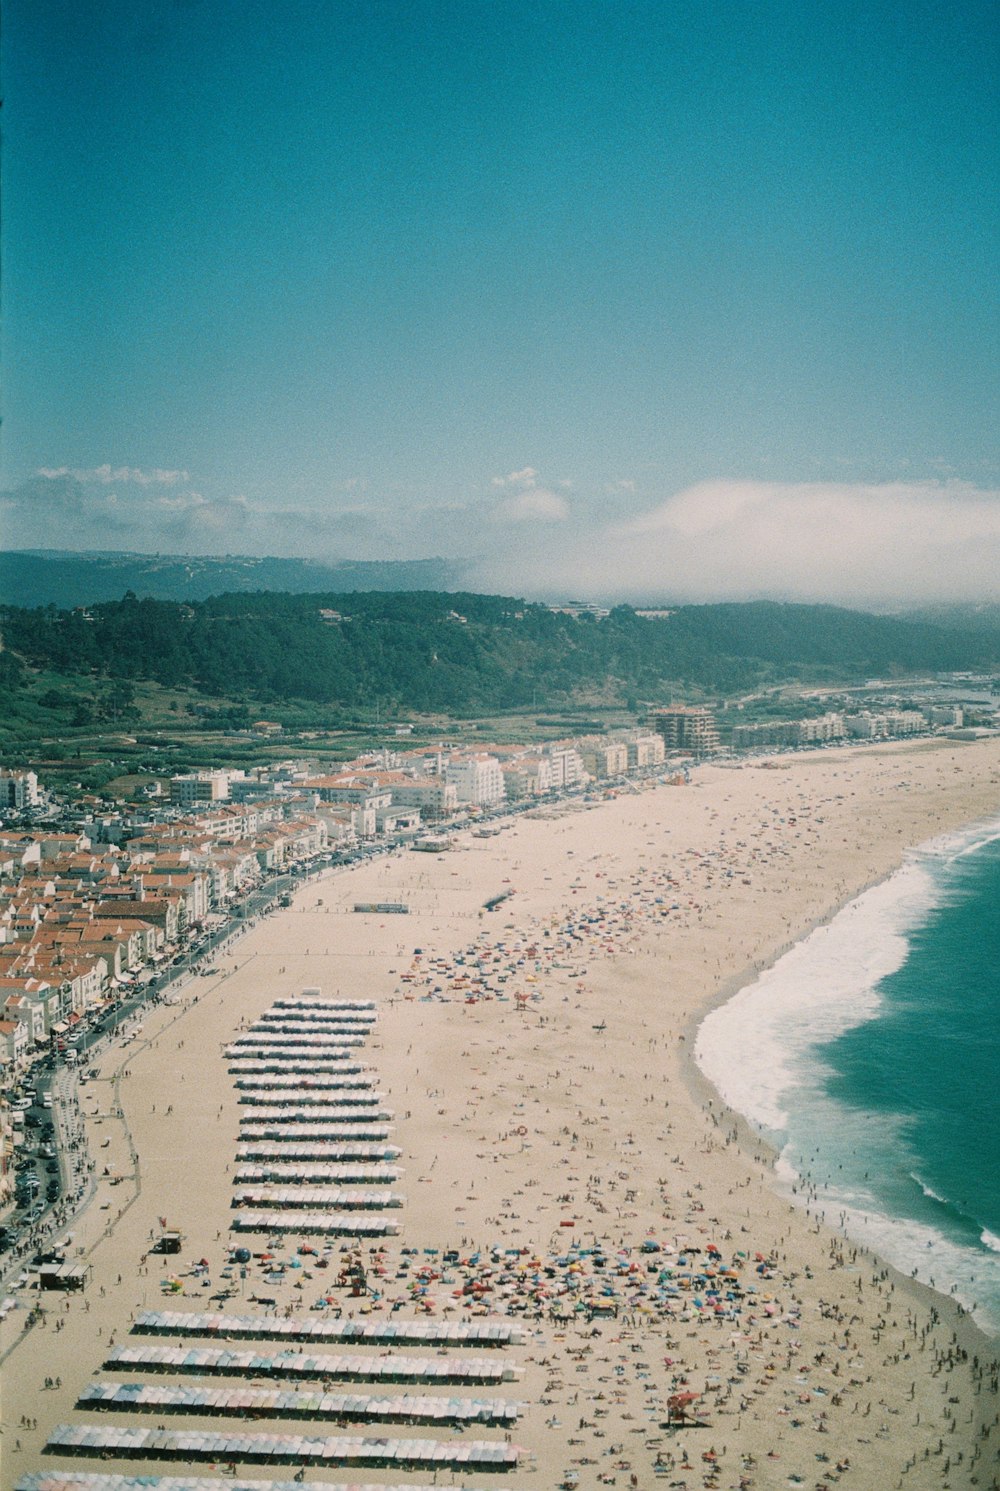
[{"x": 697, "y": 296}]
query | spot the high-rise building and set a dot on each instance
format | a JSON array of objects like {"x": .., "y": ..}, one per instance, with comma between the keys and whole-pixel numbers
[
  {"x": 687, "y": 728},
  {"x": 478, "y": 780},
  {"x": 18, "y": 789}
]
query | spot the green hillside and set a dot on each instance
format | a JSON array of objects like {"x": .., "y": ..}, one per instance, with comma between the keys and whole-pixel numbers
[{"x": 464, "y": 655}]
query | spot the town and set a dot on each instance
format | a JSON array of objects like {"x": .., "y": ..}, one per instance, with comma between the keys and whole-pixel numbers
[
  {"x": 101, "y": 903},
  {"x": 105, "y": 904}
]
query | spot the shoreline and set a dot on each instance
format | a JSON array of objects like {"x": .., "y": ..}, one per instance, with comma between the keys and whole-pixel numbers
[
  {"x": 753, "y": 1141},
  {"x": 584, "y": 1109}
]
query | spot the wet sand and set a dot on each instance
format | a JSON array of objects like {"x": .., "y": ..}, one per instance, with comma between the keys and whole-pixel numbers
[{"x": 570, "y": 1116}]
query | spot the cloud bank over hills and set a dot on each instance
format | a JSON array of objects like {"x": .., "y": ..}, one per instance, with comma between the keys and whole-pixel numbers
[{"x": 851, "y": 543}]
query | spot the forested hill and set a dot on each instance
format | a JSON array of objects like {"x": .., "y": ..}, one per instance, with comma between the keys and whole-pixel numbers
[
  {"x": 467, "y": 654},
  {"x": 51, "y": 577}
]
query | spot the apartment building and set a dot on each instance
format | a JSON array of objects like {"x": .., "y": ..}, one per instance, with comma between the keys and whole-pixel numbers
[
  {"x": 567, "y": 765},
  {"x": 199, "y": 786},
  {"x": 823, "y": 729},
  {"x": 604, "y": 758},
  {"x": 18, "y": 789},
  {"x": 527, "y": 776},
  {"x": 687, "y": 729},
  {"x": 645, "y": 750},
  {"x": 434, "y": 796},
  {"x": 477, "y": 780},
  {"x": 885, "y": 724}
]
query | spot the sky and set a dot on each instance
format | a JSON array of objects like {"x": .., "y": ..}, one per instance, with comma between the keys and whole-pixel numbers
[{"x": 682, "y": 300}]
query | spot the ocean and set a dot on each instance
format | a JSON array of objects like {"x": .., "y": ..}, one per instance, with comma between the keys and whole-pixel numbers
[{"x": 869, "y": 1056}]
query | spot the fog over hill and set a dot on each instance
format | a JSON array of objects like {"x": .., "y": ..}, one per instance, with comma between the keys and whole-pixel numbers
[{"x": 886, "y": 545}]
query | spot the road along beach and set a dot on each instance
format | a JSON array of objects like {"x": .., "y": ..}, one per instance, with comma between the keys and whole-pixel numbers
[{"x": 564, "y": 1167}]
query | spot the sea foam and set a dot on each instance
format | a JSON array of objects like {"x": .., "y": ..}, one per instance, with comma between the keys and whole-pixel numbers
[
  {"x": 755, "y": 1048},
  {"x": 761, "y": 1051}
]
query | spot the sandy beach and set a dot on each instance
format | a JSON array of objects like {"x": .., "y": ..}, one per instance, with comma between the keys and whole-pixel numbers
[{"x": 550, "y": 1121}]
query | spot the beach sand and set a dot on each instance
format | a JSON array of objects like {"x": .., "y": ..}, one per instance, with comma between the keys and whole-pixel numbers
[{"x": 572, "y": 1116}]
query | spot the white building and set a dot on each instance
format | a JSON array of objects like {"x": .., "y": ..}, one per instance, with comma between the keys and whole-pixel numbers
[
  {"x": 646, "y": 750},
  {"x": 527, "y": 776},
  {"x": 823, "y": 728},
  {"x": 199, "y": 786},
  {"x": 946, "y": 714},
  {"x": 436, "y": 797},
  {"x": 886, "y": 724},
  {"x": 567, "y": 766},
  {"x": 478, "y": 780},
  {"x": 605, "y": 758},
  {"x": 18, "y": 789}
]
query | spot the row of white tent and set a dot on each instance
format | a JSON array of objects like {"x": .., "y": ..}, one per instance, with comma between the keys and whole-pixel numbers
[
  {"x": 233, "y": 1362},
  {"x": 301, "y": 1449},
  {"x": 335, "y": 1197},
  {"x": 259, "y": 1097},
  {"x": 324, "y": 1010},
  {"x": 296, "y": 1082},
  {"x": 316, "y": 1108},
  {"x": 318, "y": 1223},
  {"x": 338, "y": 1058},
  {"x": 309, "y": 1038},
  {"x": 314, "y": 1174},
  {"x": 425, "y": 1332},
  {"x": 80, "y": 1480},
  {"x": 270, "y": 1403},
  {"x": 321, "y": 1110},
  {"x": 286, "y": 1100},
  {"x": 345, "y": 1032},
  {"x": 296, "y": 1132},
  {"x": 311, "y": 1159},
  {"x": 293, "y": 1065},
  {"x": 300, "y": 1048},
  {"x": 301, "y": 1144},
  {"x": 310, "y": 1004},
  {"x": 322, "y": 1025}
]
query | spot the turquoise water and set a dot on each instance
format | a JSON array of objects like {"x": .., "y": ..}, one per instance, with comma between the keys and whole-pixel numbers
[{"x": 870, "y": 1056}]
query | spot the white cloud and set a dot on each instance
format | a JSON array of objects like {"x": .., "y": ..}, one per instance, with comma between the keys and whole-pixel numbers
[
  {"x": 108, "y": 474},
  {"x": 527, "y": 477},
  {"x": 533, "y": 505},
  {"x": 56, "y": 509},
  {"x": 863, "y": 544},
  {"x": 530, "y": 501},
  {"x": 852, "y": 543}
]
